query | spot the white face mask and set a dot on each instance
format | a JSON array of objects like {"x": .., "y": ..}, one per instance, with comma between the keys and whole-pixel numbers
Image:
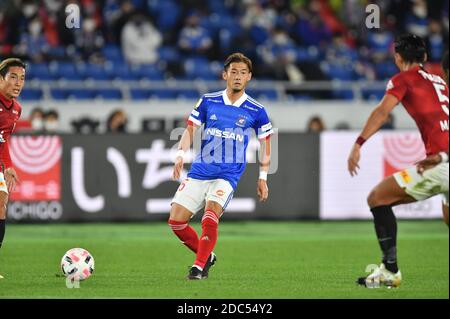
[
  {"x": 29, "y": 10},
  {"x": 37, "y": 124},
  {"x": 51, "y": 126},
  {"x": 35, "y": 28}
]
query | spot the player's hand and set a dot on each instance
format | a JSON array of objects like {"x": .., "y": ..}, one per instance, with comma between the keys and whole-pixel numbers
[
  {"x": 429, "y": 162},
  {"x": 262, "y": 190},
  {"x": 177, "y": 168},
  {"x": 353, "y": 160},
  {"x": 11, "y": 178}
]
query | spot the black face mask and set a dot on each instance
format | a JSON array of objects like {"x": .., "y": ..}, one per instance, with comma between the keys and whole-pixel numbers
[{"x": 121, "y": 128}]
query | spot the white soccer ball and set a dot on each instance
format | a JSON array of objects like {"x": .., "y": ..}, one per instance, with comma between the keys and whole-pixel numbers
[{"x": 77, "y": 264}]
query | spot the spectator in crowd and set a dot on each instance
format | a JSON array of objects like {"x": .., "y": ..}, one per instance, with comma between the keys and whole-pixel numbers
[
  {"x": 117, "y": 122},
  {"x": 37, "y": 119},
  {"x": 194, "y": 40},
  {"x": 51, "y": 122},
  {"x": 140, "y": 41},
  {"x": 89, "y": 40},
  {"x": 315, "y": 125},
  {"x": 85, "y": 125},
  {"x": 33, "y": 44}
]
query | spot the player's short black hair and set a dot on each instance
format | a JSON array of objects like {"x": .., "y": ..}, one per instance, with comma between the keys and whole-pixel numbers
[
  {"x": 411, "y": 48},
  {"x": 8, "y": 63},
  {"x": 236, "y": 58}
]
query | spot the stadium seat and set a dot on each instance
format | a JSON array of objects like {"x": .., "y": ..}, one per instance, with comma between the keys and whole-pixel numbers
[
  {"x": 163, "y": 93},
  {"x": 109, "y": 94},
  {"x": 31, "y": 94},
  {"x": 113, "y": 53},
  {"x": 188, "y": 94},
  {"x": 97, "y": 72},
  {"x": 66, "y": 71},
  {"x": 59, "y": 94},
  {"x": 140, "y": 94},
  {"x": 39, "y": 71},
  {"x": 80, "y": 94},
  {"x": 263, "y": 94}
]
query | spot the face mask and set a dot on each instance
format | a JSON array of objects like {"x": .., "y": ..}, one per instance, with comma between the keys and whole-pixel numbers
[
  {"x": 37, "y": 124},
  {"x": 89, "y": 25},
  {"x": 51, "y": 126},
  {"x": 35, "y": 28},
  {"x": 29, "y": 10}
]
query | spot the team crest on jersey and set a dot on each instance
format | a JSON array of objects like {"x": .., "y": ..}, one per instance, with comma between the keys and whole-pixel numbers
[{"x": 241, "y": 121}]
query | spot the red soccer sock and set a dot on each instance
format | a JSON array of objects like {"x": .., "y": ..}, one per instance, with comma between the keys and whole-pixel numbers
[
  {"x": 208, "y": 239},
  {"x": 185, "y": 233}
]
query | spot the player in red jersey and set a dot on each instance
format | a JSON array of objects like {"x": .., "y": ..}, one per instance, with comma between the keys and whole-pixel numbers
[
  {"x": 435, "y": 159},
  {"x": 425, "y": 98},
  {"x": 12, "y": 80}
]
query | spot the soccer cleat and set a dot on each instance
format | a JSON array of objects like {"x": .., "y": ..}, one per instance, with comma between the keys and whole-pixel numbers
[
  {"x": 194, "y": 274},
  {"x": 211, "y": 261},
  {"x": 1, "y": 277},
  {"x": 381, "y": 276}
]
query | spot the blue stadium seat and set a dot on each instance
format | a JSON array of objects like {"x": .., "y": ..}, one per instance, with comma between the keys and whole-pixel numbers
[
  {"x": 59, "y": 94},
  {"x": 263, "y": 94},
  {"x": 96, "y": 72},
  {"x": 385, "y": 70},
  {"x": 39, "y": 71},
  {"x": 80, "y": 94},
  {"x": 139, "y": 94},
  {"x": 148, "y": 72},
  {"x": 169, "y": 54},
  {"x": 123, "y": 72},
  {"x": 199, "y": 68},
  {"x": 109, "y": 94},
  {"x": 373, "y": 94},
  {"x": 113, "y": 53},
  {"x": 343, "y": 72},
  {"x": 305, "y": 54},
  {"x": 188, "y": 94},
  {"x": 163, "y": 93},
  {"x": 31, "y": 94},
  {"x": 66, "y": 71}
]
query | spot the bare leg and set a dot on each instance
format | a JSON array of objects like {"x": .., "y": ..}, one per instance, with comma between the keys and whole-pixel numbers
[
  {"x": 388, "y": 192},
  {"x": 445, "y": 213}
]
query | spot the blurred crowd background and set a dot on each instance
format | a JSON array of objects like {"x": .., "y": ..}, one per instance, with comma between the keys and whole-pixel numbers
[
  {"x": 294, "y": 41},
  {"x": 286, "y": 39}
]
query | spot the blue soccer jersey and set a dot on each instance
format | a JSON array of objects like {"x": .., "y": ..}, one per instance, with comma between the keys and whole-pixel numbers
[{"x": 227, "y": 130}]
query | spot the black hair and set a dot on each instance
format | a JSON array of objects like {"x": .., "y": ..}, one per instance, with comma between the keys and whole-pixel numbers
[
  {"x": 238, "y": 57},
  {"x": 8, "y": 63},
  {"x": 411, "y": 48}
]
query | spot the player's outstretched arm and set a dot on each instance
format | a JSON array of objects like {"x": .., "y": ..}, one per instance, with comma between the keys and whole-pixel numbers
[
  {"x": 264, "y": 163},
  {"x": 185, "y": 144},
  {"x": 376, "y": 119}
]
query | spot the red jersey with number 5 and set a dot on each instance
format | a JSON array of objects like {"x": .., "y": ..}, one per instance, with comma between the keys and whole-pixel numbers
[
  {"x": 425, "y": 98},
  {"x": 9, "y": 115}
]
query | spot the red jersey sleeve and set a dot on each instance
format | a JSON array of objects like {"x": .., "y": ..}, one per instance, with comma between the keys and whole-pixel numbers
[
  {"x": 5, "y": 158},
  {"x": 397, "y": 87}
]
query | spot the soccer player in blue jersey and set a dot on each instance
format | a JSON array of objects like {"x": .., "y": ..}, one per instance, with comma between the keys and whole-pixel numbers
[{"x": 229, "y": 117}]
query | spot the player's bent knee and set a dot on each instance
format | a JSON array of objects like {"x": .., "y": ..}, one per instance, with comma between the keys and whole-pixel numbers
[
  {"x": 179, "y": 213},
  {"x": 373, "y": 199}
]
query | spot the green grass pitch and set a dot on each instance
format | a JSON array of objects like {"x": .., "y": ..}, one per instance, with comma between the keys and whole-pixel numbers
[{"x": 273, "y": 260}]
